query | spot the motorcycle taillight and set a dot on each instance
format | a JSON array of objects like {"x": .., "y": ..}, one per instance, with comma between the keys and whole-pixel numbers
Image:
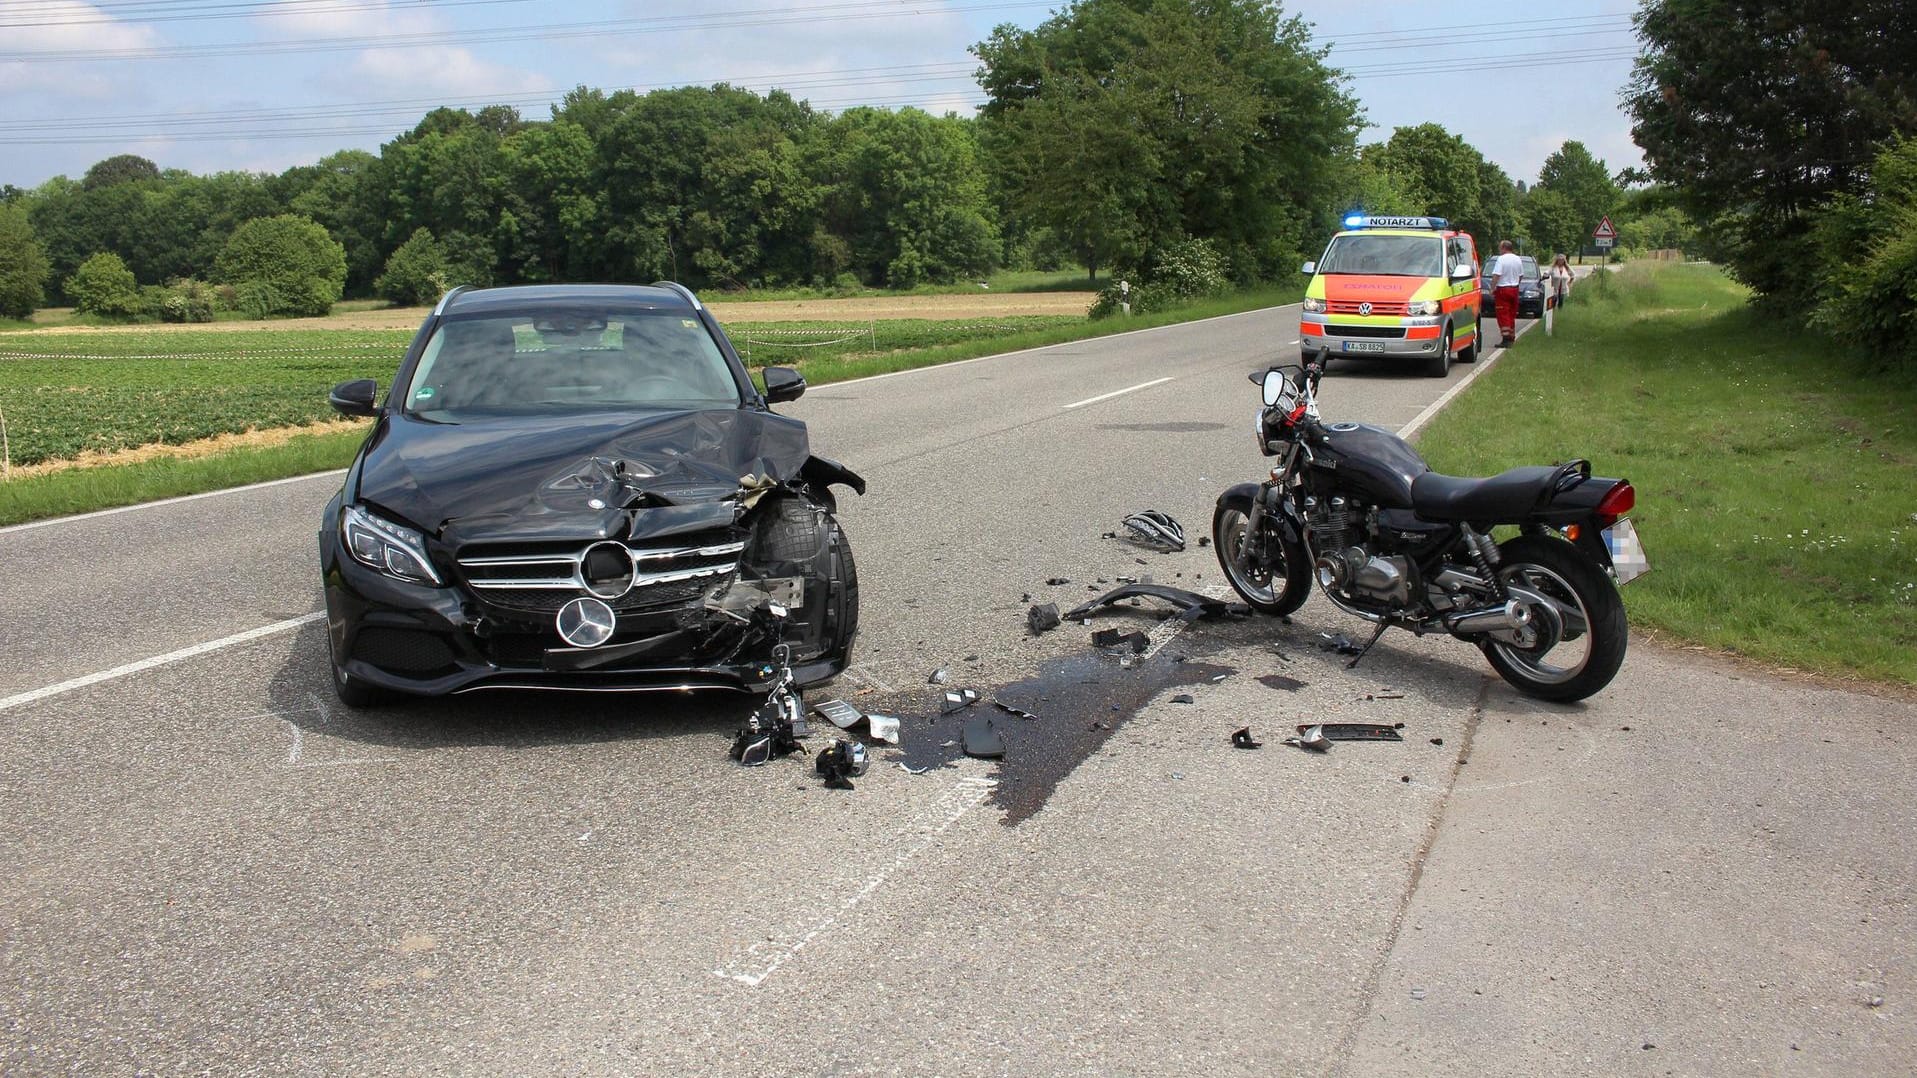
[{"x": 1618, "y": 501}]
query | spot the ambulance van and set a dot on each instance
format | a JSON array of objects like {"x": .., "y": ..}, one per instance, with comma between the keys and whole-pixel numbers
[{"x": 1393, "y": 288}]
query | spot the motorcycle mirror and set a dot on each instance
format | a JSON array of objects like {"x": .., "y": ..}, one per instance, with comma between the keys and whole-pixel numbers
[{"x": 1275, "y": 383}]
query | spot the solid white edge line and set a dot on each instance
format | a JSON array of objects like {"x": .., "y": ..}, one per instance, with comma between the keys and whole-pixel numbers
[
  {"x": 158, "y": 660},
  {"x": 336, "y": 472},
  {"x": 1116, "y": 393},
  {"x": 1483, "y": 364}
]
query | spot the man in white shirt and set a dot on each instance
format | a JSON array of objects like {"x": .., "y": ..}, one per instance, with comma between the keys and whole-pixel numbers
[{"x": 1506, "y": 271}]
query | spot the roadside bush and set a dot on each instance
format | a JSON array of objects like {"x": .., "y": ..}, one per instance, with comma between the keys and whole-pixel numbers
[
  {"x": 23, "y": 265},
  {"x": 186, "y": 300},
  {"x": 416, "y": 272},
  {"x": 1143, "y": 298},
  {"x": 104, "y": 286},
  {"x": 226, "y": 298},
  {"x": 1868, "y": 256},
  {"x": 1188, "y": 269},
  {"x": 285, "y": 265}
]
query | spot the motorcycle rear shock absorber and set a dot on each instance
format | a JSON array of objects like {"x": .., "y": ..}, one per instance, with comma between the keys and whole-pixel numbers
[{"x": 1484, "y": 554}]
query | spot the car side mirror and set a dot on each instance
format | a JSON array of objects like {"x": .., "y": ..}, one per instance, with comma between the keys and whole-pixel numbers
[
  {"x": 783, "y": 384},
  {"x": 1462, "y": 272},
  {"x": 1308, "y": 268},
  {"x": 357, "y": 398}
]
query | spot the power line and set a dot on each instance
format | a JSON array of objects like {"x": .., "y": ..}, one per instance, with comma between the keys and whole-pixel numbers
[
  {"x": 102, "y": 15},
  {"x": 710, "y": 20}
]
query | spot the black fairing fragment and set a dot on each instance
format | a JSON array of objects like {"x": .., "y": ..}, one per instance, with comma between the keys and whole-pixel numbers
[{"x": 822, "y": 472}]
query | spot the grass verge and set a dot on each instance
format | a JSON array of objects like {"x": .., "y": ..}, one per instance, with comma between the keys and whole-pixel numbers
[
  {"x": 1776, "y": 477},
  {"x": 99, "y": 393}
]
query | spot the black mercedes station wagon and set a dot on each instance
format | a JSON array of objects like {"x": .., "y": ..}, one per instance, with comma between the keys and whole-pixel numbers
[{"x": 579, "y": 487}]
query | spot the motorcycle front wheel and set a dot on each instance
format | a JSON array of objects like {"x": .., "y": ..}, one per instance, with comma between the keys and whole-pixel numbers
[
  {"x": 1271, "y": 575},
  {"x": 1577, "y": 621}
]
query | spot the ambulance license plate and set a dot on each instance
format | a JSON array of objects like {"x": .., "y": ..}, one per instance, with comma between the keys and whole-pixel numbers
[
  {"x": 1628, "y": 559},
  {"x": 1364, "y": 346}
]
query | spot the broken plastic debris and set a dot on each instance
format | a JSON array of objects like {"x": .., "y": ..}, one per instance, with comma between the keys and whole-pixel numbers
[
  {"x": 1310, "y": 738},
  {"x": 1339, "y": 643},
  {"x": 1057, "y": 580},
  {"x": 1010, "y": 710},
  {"x": 842, "y": 762},
  {"x": 1241, "y": 739},
  {"x": 1112, "y": 638},
  {"x": 1042, "y": 618},
  {"x": 1183, "y": 698},
  {"x": 838, "y": 713},
  {"x": 939, "y": 676},
  {"x": 884, "y": 727},
  {"x": 980, "y": 738},
  {"x": 1204, "y": 540},
  {"x": 910, "y": 770},
  {"x": 1353, "y": 731},
  {"x": 957, "y": 701},
  {"x": 1191, "y": 605}
]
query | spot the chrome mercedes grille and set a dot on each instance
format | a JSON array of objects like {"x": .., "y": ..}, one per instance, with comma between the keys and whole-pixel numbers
[{"x": 543, "y": 580}]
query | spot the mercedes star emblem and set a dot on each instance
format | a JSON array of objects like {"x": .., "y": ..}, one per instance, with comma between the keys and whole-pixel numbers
[{"x": 585, "y": 623}]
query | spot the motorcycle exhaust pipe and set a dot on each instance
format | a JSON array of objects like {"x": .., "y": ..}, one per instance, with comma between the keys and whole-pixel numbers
[{"x": 1510, "y": 617}]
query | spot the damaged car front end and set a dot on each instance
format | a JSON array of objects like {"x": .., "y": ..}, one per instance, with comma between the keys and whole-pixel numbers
[{"x": 580, "y": 488}]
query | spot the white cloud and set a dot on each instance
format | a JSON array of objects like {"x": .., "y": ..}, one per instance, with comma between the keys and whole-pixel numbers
[
  {"x": 452, "y": 73},
  {"x": 80, "y": 27},
  {"x": 342, "y": 18}
]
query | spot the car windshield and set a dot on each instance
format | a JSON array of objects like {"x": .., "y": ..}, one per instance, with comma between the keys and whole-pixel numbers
[
  {"x": 1385, "y": 256},
  {"x": 572, "y": 360}
]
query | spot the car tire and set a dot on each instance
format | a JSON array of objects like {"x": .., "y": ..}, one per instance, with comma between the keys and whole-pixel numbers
[
  {"x": 1440, "y": 365},
  {"x": 842, "y": 605}
]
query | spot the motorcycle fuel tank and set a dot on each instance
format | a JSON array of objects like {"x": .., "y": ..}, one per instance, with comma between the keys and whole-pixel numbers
[{"x": 1368, "y": 464}]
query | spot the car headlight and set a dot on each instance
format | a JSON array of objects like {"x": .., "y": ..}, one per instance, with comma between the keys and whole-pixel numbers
[
  {"x": 1314, "y": 306},
  {"x": 393, "y": 549},
  {"x": 1426, "y": 307}
]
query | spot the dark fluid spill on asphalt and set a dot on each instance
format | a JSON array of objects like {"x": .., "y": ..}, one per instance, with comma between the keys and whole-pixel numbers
[
  {"x": 1280, "y": 681},
  {"x": 1080, "y": 701}
]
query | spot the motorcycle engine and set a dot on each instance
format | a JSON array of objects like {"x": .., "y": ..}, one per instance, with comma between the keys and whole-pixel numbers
[{"x": 1350, "y": 569}]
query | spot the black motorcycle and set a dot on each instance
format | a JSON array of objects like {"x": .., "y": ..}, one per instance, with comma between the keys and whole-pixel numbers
[{"x": 1397, "y": 544}]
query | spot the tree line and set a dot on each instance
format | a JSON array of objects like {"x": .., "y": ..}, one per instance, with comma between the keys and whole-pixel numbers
[
  {"x": 1790, "y": 132},
  {"x": 1206, "y": 142}
]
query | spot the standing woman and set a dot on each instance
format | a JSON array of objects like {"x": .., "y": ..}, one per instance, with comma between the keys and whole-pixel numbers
[{"x": 1560, "y": 279}]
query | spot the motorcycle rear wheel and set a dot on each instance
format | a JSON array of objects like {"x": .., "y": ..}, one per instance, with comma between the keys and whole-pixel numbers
[
  {"x": 1576, "y": 590},
  {"x": 1269, "y": 585}
]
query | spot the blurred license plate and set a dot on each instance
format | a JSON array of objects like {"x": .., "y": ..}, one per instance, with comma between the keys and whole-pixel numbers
[
  {"x": 1363, "y": 346},
  {"x": 1627, "y": 552}
]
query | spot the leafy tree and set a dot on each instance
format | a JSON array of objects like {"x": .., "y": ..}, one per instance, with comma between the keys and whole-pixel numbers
[
  {"x": 1585, "y": 183},
  {"x": 1869, "y": 253},
  {"x": 283, "y": 265},
  {"x": 1127, "y": 125},
  {"x": 124, "y": 168},
  {"x": 415, "y": 273},
  {"x": 104, "y": 286},
  {"x": 1551, "y": 222},
  {"x": 345, "y": 193},
  {"x": 23, "y": 264},
  {"x": 907, "y": 193},
  {"x": 1759, "y": 111},
  {"x": 1439, "y": 173}
]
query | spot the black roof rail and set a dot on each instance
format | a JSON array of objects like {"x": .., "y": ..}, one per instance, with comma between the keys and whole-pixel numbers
[{"x": 682, "y": 290}]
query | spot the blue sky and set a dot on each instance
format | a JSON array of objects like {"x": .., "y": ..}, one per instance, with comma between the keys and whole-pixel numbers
[{"x": 208, "y": 85}]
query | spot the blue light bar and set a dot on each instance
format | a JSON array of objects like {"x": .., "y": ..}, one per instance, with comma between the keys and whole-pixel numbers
[{"x": 1359, "y": 220}]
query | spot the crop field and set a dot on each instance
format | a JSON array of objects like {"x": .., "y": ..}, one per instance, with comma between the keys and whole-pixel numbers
[{"x": 64, "y": 394}]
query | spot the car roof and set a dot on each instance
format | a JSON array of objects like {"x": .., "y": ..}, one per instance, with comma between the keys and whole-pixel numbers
[
  {"x": 1431, "y": 232},
  {"x": 522, "y": 297}
]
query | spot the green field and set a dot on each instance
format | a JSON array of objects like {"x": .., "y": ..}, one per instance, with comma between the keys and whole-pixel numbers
[{"x": 1776, "y": 476}]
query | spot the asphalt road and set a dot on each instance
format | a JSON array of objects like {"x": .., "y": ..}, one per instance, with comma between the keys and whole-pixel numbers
[{"x": 208, "y": 866}]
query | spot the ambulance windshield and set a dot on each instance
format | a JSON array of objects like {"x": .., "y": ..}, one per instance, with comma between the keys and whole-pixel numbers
[{"x": 1385, "y": 256}]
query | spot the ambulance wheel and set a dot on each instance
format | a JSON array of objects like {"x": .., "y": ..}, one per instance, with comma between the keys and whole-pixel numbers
[{"x": 1440, "y": 365}]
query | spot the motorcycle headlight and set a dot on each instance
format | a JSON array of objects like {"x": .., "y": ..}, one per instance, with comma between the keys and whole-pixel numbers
[
  {"x": 1426, "y": 307},
  {"x": 381, "y": 545},
  {"x": 1314, "y": 306}
]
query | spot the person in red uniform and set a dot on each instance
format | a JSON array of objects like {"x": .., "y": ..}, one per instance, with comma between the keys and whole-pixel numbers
[{"x": 1506, "y": 272}]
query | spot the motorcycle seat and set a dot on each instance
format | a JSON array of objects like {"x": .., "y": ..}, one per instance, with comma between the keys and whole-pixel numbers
[{"x": 1508, "y": 496}]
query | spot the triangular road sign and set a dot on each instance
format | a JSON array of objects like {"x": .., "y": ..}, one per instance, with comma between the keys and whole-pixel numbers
[{"x": 1605, "y": 231}]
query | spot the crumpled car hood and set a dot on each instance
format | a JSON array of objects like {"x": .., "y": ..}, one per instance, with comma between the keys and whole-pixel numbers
[{"x": 529, "y": 477}]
